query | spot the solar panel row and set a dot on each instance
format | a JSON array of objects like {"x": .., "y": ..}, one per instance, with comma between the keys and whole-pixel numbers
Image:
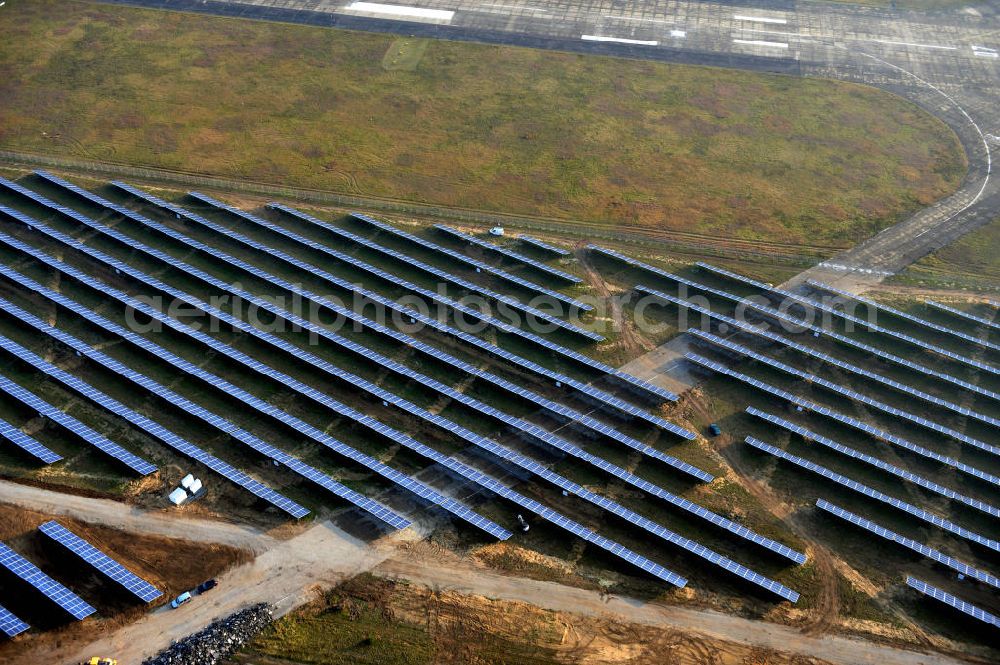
[
  {"x": 817, "y": 331},
  {"x": 909, "y": 543},
  {"x": 101, "y": 561},
  {"x": 957, "y": 603},
  {"x": 845, "y": 392},
  {"x": 903, "y": 506},
  {"x": 597, "y": 395},
  {"x": 185, "y": 405},
  {"x": 10, "y": 624},
  {"x": 630, "y": 381},
  {"x": 968, "y": 316},
  {"x": 809, "y": 435},
  {"x": 930, "y": 325},
  {"x": 882, "y": 435},
  {"x": 544, "y": 246},
  {"x": 772, "y": 336},
  {"x": 27, "y": 444},
  {"x": 89, "y": 436},
  {"x": 509, "y": 254},
  {"x": 479, "y": 266},
  {"x": 155, "y": 430},
  {"x": 51, "y": 589},
  {"x": 410, "y": 261}
]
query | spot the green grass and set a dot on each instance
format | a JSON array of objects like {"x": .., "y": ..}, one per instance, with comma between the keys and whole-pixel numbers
[
  {"x": 971, "y": 262},
  {"x": 620, "y": 143}
]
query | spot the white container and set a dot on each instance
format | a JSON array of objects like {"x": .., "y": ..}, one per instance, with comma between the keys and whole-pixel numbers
[
  {"x": 178, "y": 496},
  {"x": 186, "y": 481}
]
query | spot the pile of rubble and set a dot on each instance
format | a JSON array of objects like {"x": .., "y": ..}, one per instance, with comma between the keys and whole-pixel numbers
[{"x": 217, "y": 642}]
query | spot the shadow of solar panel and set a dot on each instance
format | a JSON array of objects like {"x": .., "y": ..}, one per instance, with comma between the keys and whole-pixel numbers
[
  {"x": 952, "y": 601},
  {"x": 903, "y": 506},
  {"x": 89, "y": 436},
  {"x": 882, "y": 435},
  {"x": 909, "y": 543},
  {"x": 101, "y": 561},
  {"x": 51, "y": 589}
]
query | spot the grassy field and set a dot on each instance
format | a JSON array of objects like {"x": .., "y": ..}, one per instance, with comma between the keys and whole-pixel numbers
[
  {"x": 971, "y": 262},
  {"x": 601, "y": 140}
]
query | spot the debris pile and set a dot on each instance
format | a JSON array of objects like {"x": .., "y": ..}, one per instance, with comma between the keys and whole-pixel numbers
[{"x": 217, "y": 642}]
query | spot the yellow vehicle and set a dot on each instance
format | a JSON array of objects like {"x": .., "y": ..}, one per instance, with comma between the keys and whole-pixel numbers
[{"x": 100, "y": 661}]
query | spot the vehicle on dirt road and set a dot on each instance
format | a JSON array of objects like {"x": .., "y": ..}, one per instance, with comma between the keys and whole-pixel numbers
[
  {"x": 180, "y": 600},
  {"x": 96, "y": 660},
  {"x": 207, "y": 585}
]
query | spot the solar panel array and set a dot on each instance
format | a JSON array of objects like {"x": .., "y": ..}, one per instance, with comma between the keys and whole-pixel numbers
[
  {"x": 817, "y": 331},
  {"x": 510, "y": 254},
  {"x": 908, "y": 508},
  {"x": 10, "y": 625},
  {"x": 882, "y": 435},
  {"x": 27, "y": 444},
  {"x": 806, "y": 302},
  {"x": 772, "y": 336},
  {"x": 448, "y": 462},
  {"x": 957, "y": 603},
  {"x": 809, "y": 435},
  {"x": 930, "y": 325},
  {"x": 544, "y": 246},
  {"x": 968, "y": 316},
  {"x": 568, "y": 354},
  {"x": 89, "y": 436},
  {"x": 846, "y": 392},
  {"x": 909, "y": 543},
  {"x": 591, "y": 392},
  {"x": 479, "y": 266},
  {"x": 101, "y": 561},
  {"x": 294, "y": 423},
  {"x": 185, "y": 405},
  {"x": 750, "y": 575},
  {"x": 410, "y": 261},
  {"x": 51, "y": 589},
  {"x": 156, "y": 430}
]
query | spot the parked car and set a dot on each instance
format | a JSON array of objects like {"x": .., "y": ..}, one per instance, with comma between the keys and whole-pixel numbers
[
  {"x": 207, "y": 585},
  {"x": 714, "y": 429},
  {"x": 180, "y": 600}
]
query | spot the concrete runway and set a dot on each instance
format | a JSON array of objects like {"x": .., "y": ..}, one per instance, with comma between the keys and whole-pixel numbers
[{"x": 948, "y": 62}]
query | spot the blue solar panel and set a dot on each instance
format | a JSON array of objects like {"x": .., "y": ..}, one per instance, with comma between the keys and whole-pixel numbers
[
  {"x": 905, "y": 507},
  {"x": 155, "y": 430},
  {"x": 294, "y": 464},
  {"x": 89, "y": 436},
  {"x": 479, "y": 266},
  {"x": 544, "y": 246},
  {"x": 27, "y": 444},
  {"x": 845, "y": 392},
  {"x": 549, "y": 271},
  {"x": 818, "y": 331},
  {"x": 956, "y": 603},
  {"x": 398, "y": 256},
  {"x": 10, "y": 625},
  {"x": 809, "y": 435},
  {"x": 910, "y": 544},
  {"x": 905, "y": 316},
  {"x": 51, "y": 589},
  {"x": 628, "y": 380},
  {"x": 882, "y": 435},
  {"x": 968, "y": 316},
  {"x": 101, "y": 561},
  {"x": 770, "y": 335}
]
